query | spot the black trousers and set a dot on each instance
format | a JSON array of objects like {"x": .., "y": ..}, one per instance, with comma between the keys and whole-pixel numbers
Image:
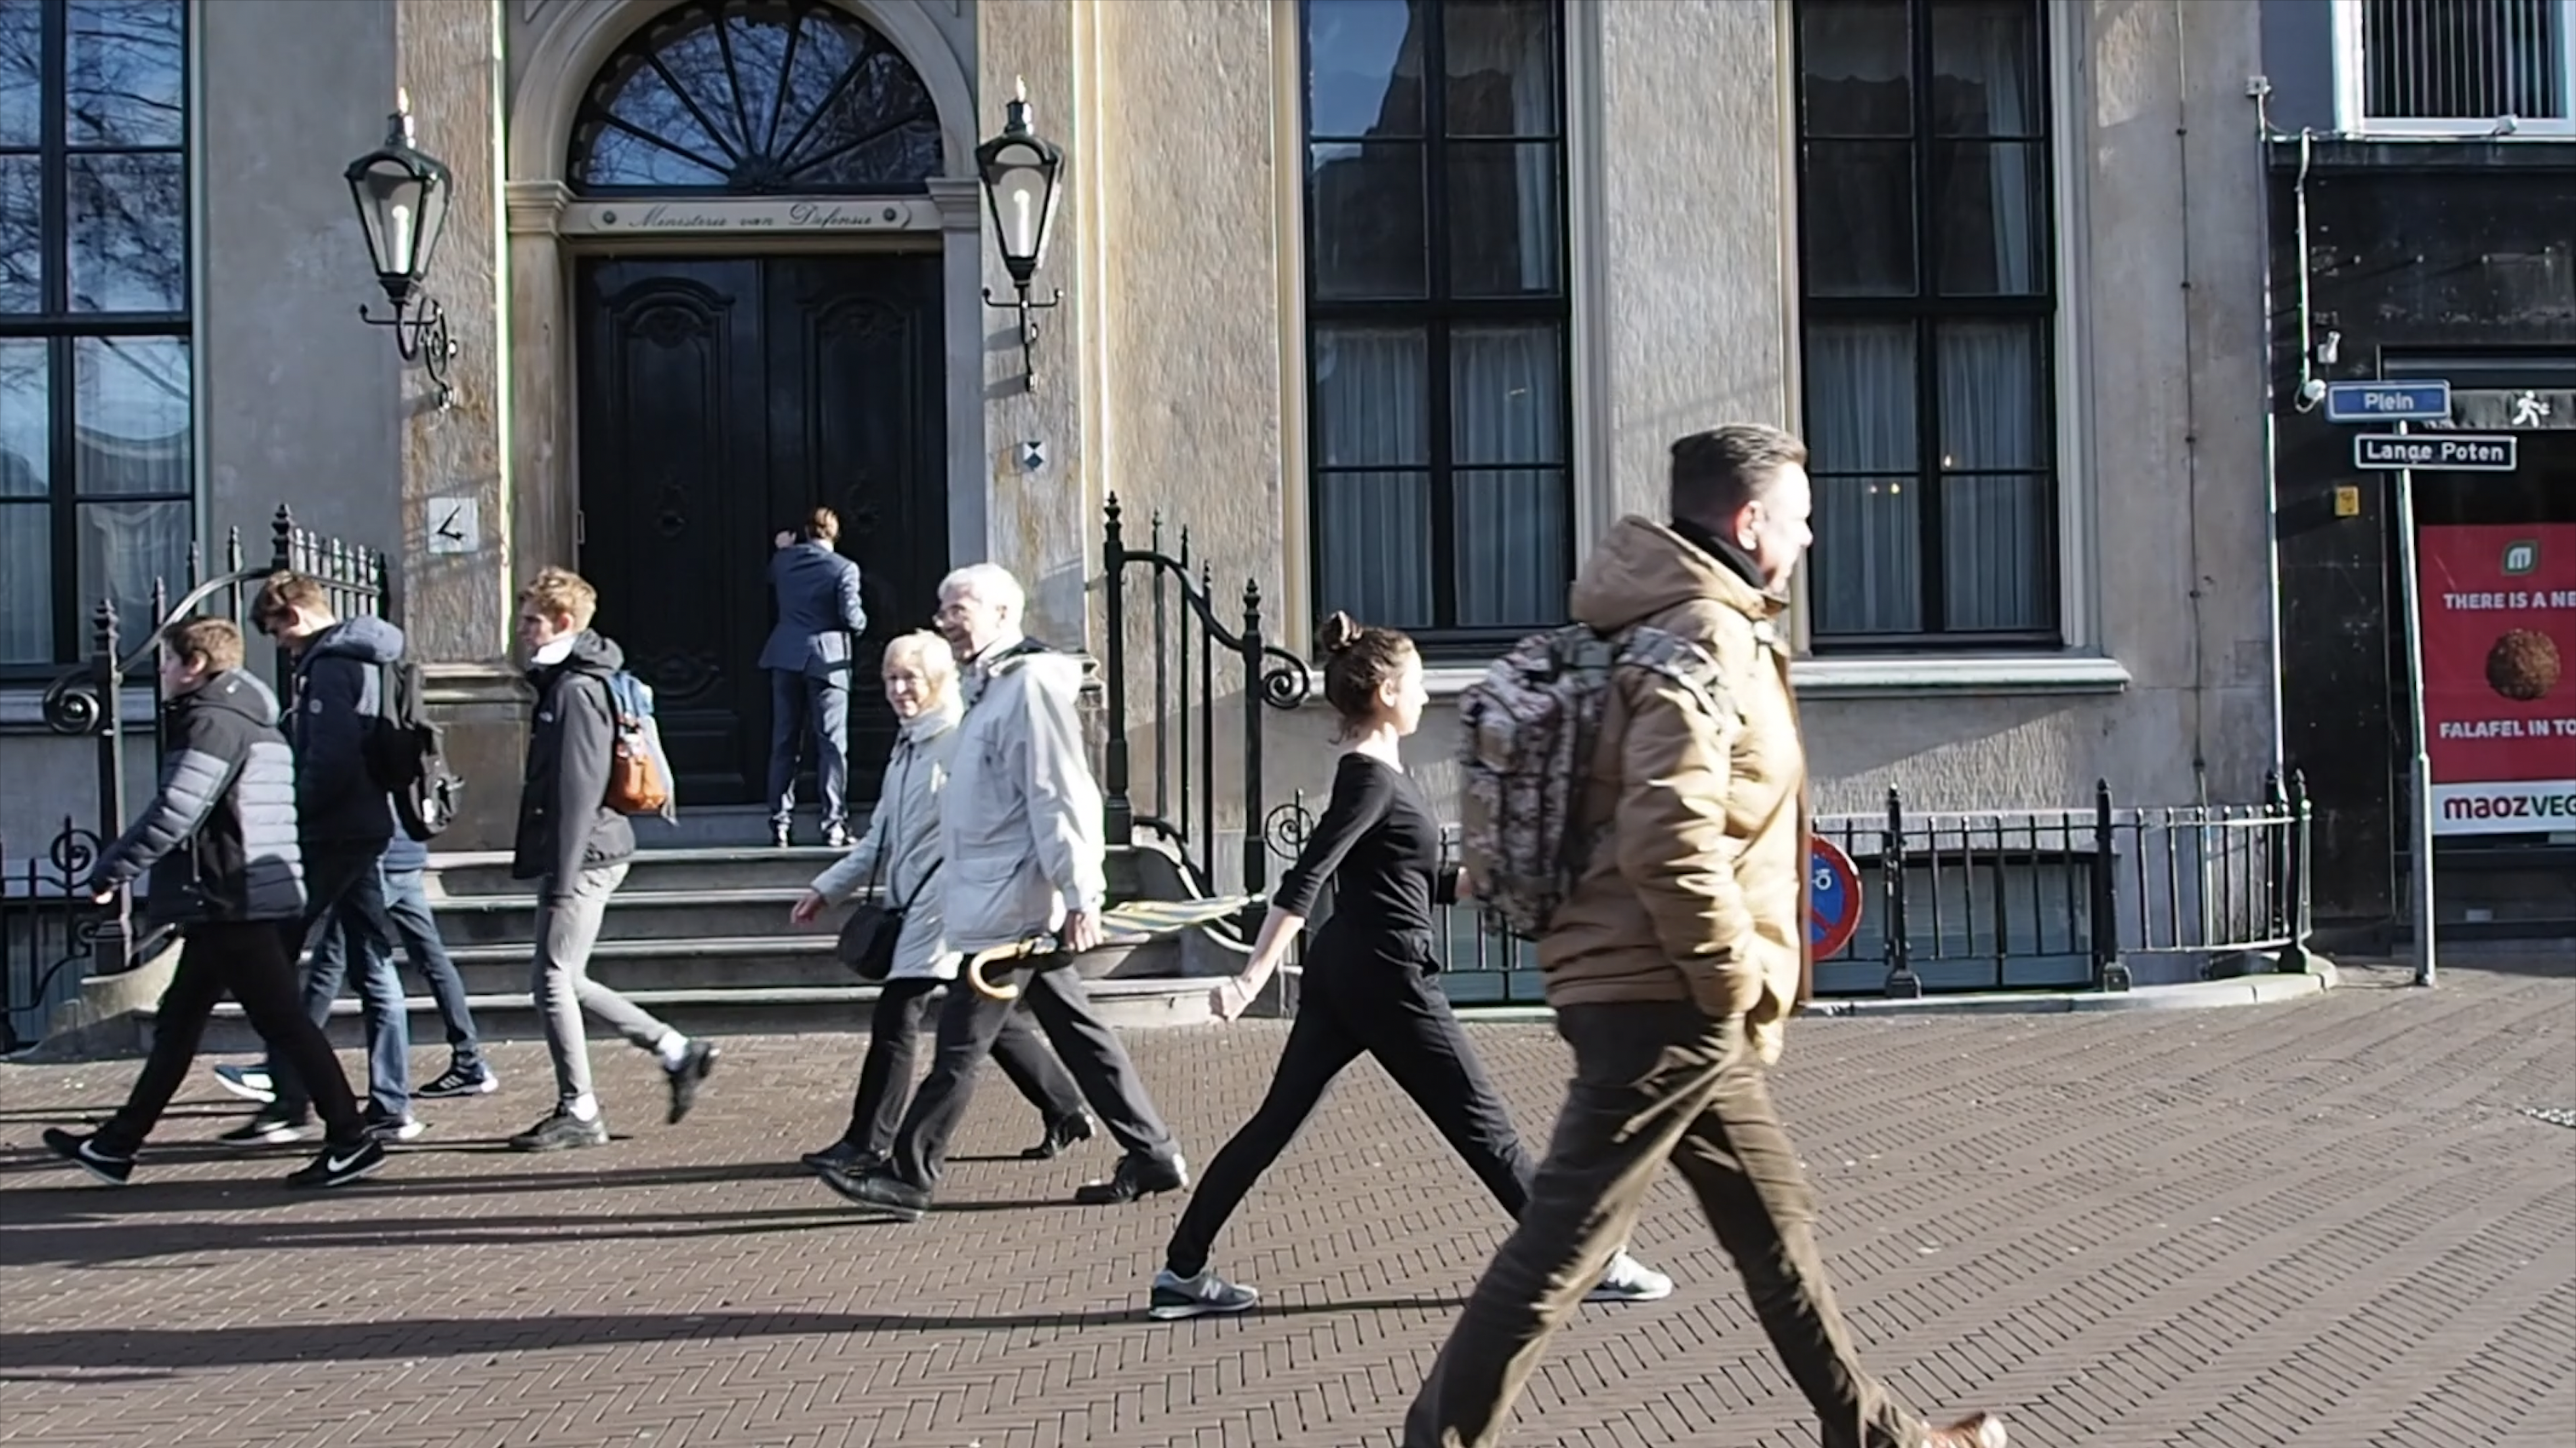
[
  {"x": 248, "y": 959},
  {"x": 1377, "y": 998},
  {"x": 894, "y": 1033},
  {"x": 969, "y": 1023}
]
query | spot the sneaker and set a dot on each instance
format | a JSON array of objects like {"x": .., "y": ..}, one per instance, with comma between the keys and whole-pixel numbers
[
  {"x": 1978, "y": 1430},
  {"x": 686, "y": 1077},
  {"x": 83, "y": 1152},
  {"x": 268, "y": 1128},
  {"x": 846, "y": 1157},
  {"x": 562, "y": 1131},
  {"x": 1629, "y": 1280},
  {"x": 251, "y": 1083},
  {"x": 339, "y": 1165},
  {"x": 392, "y": 1128},
  {"x": 1137, "y": 1177},
  {"x": 460, "y": 1081},
  {"x": 837, "y": 836},
  {"x": 779, "y": 837},
  {"x": 1176, "y": 1297},
  {"x": 1060, "y": 1134},
  {"x": 881, "y": 1191}
]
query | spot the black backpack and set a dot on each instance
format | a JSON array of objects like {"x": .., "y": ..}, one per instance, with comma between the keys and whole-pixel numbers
[{"x": 405, "y": 753}]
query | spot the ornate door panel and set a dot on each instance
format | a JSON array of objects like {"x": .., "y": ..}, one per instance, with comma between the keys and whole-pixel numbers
[{"x": 720, "y": 401}]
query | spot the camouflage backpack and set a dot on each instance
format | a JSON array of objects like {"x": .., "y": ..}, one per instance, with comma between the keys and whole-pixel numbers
[{"x": 1530, "y": 726}]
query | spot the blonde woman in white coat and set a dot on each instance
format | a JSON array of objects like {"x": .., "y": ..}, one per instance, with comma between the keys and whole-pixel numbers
[{"x": 899, "y": 852}]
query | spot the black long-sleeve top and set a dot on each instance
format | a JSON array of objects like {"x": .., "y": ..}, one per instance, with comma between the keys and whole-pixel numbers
[{"x": 1380, "y": 846}]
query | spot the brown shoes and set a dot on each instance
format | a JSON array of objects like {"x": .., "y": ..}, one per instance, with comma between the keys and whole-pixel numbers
[{"x": 1982, "y": 1430}]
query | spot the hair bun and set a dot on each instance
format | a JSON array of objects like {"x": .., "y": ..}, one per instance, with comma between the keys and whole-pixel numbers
[{"x": 1339, "y": 632}]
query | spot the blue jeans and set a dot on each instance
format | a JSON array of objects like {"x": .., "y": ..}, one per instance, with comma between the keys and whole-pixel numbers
[
  {"x": 407, "y": 906},
  {"x": 344, "y": 891}
]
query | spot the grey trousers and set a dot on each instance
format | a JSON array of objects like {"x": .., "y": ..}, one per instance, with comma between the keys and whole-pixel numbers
[{"x": 567, "y": 927}]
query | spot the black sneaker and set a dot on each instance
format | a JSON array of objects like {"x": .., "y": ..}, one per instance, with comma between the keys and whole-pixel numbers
[
  {"x": 83, "y": 1152},
  {"x": 881, "y": 1191},
  {"x": 562, "y": 1131},
  {"x": 269, "y": 1128},
  {"x": 1137, "y": 1177},
  {"x": 686, "y": 1076},
  {"x": 460, "y": 1081},
  {"x": 846, "y": 1157},
  {"x": 1060, "y": 1134},
  {"x": 779, "y": 836},
  {"x": 339, "y": 1165},
  {"x": 837, "y": 836}
]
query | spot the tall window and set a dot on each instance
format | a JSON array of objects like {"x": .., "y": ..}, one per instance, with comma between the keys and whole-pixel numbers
[
  {"x": 96, "y": 390},
  {"x": 1929, "y": 306},
  {"x": 1436, "y": 314}
]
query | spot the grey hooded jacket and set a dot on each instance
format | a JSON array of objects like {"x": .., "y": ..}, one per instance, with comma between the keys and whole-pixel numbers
[
  {"x": 1020, "y": 818},
  {"x": 219, "y": 836}
]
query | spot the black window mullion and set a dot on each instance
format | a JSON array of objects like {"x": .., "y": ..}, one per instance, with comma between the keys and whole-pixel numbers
[
  {"x": 1931, "y": 563},
  {"x": 53, "y": 269},
  {"x": 1443, "y": 539}
]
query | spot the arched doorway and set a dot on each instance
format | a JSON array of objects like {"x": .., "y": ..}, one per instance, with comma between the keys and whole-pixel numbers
[{"x": 729, "y": 382}]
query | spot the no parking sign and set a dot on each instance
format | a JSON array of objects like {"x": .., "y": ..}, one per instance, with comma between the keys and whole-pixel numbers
[{"x": 1833, "y": 897}]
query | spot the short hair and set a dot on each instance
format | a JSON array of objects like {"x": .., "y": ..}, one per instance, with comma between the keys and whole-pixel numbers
[
  {"x": 929, "y": 653},
  {"x": 1717, "y": 472},
  {"x": 990, "y": 582},
  {"x": 214, "y": 645},
  {"x": 823, "y": 525},
  {"x": 282, "y": 594},
  {"x": 561, "y": 593}
]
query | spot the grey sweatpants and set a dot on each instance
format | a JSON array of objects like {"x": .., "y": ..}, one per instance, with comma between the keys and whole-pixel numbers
[{"x": 567, "y": 927}]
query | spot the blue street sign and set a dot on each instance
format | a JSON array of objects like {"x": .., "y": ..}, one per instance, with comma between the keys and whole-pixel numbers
[{"x": 2388, "y": 401}]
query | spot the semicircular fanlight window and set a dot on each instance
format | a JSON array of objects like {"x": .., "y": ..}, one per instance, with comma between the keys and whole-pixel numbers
[{"x": 755, "y": 97}]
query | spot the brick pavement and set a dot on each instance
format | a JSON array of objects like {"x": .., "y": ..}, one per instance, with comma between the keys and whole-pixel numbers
[{"x": 2325, "y": 1222}]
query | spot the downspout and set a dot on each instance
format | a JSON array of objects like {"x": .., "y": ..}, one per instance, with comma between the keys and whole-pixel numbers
[
  {"x": 2191, "y": 421},
  {"x": 2260, "y": 90}
]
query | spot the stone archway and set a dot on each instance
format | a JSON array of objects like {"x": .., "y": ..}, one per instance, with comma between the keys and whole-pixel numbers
[{"x": 573, "y": 40}]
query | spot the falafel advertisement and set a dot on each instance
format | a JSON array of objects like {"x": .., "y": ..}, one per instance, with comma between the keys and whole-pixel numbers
[{"x": 2500, "y": 676}]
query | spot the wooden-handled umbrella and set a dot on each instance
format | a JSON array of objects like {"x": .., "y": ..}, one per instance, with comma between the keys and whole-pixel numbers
[{"x": 1134, "y": 923}]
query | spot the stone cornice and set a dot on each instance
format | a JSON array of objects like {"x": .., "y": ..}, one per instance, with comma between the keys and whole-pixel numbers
[{"x": 536, "y": 207}]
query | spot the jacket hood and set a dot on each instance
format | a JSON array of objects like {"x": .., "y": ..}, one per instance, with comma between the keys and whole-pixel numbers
[
  {"x": 237, "y": 691},
  {"x": 591, "y": 654},
  {"x": 1041, "y": 665},
  {"x": 932, "y": 722},
  {"x": 1643, "y": 568},
  {"x": 367, "y": 639}
]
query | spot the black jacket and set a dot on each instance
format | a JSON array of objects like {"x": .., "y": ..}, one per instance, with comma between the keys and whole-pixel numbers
[
  {"x": 339, "y": 689},
  {"x": 219, "y": 835},
  {"x": 565, "y": 824}
]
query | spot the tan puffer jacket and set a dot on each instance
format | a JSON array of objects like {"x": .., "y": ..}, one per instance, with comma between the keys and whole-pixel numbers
[{"x": 1698, "y": 891}]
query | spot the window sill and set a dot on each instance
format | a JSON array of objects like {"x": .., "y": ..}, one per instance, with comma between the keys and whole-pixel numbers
[{"x": 1878, "y": 678}]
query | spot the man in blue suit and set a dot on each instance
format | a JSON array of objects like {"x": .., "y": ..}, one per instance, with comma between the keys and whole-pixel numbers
[{"x": 808, "y": 659}]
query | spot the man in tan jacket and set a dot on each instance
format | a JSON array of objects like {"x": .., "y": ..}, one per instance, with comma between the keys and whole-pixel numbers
[{"x": 1676, "y": 961}]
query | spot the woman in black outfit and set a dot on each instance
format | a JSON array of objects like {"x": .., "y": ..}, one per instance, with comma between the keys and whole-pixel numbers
[{"x": 1368, "y": 986}]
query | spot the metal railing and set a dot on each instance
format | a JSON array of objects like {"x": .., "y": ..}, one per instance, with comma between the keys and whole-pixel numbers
[
  {"x": 2457, "y": 66},
  {"x": 2082, "y": 899},
  {"x": 89, "y": 699},
  {"x": 50, "y": 931},
  {"x": 1197, "y": 661}
]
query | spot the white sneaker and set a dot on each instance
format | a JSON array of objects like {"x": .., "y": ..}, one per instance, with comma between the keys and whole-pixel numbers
[
  {"x": 1629, "y": 1280},
  {"x": 251, "y": 1083}
]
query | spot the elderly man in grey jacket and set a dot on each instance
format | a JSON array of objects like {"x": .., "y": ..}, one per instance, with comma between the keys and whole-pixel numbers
[{"x": 1020, "y": 830}]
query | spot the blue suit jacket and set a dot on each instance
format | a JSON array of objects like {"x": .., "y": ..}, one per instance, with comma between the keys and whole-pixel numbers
[{"x": 818, "y": 609}]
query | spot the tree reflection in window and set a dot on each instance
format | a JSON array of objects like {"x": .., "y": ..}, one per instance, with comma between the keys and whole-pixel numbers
[{"x": 762, "y": 97}]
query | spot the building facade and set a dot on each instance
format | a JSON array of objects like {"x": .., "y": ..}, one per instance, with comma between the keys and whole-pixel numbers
[
  {"x": 2421, "y": 153},
  {"x": 1394, "y": 304}
]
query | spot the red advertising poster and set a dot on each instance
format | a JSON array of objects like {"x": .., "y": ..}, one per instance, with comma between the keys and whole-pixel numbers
[{"x": 2500, "y": 677}]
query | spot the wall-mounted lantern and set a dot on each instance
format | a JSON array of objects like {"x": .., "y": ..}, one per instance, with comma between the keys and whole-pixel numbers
[
  {"x": 1020, "y": 171},
  {"x": 402, "y": 196}
]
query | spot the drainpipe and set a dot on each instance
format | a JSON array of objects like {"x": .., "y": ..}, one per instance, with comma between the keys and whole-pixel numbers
[
  {"x": 2191, "y": 422},
  {"x": 2259, "y": 89}
]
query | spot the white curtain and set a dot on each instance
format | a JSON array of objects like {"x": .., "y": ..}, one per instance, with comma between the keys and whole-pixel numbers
[
  {"x": 1867, "y": 574},
  {"x": 1372, "y": 409},
  {"x": 26, "y": 507}
]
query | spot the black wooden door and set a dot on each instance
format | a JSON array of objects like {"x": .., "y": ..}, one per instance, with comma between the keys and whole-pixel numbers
[{"x": 720, "y": 401}]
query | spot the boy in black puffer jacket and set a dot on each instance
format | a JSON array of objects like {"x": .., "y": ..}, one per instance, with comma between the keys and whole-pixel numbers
[{"x": 219, "y": 840}]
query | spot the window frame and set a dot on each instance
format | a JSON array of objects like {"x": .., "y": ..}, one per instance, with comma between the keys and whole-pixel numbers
[
  {"x": 62, "y": 329},
  {"x": 1925, "y": 312},
  {"x": 1438, "y": 314},
  {"x": 2351, "y": 90}
]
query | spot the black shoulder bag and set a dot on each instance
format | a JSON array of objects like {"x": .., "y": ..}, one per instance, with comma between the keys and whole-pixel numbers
[{"x": 869, "y": 936}]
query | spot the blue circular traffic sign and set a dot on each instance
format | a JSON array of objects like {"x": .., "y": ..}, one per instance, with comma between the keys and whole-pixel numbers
[{"x": 1833, "y": 897}]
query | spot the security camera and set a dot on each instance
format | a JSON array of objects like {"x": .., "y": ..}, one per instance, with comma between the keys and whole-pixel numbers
[{"x": 2311, "y": 392}]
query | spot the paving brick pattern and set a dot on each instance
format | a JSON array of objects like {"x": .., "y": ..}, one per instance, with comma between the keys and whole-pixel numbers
[{"x": 2331, "y": 1222}]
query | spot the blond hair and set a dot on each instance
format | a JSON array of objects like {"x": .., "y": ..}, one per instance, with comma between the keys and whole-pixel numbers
[
  {"x": 281, "y": 594},
  {"x": 929, "y": 653},
  {"x": 561, "y": 593},
  {"x": 212, "y": 644}
]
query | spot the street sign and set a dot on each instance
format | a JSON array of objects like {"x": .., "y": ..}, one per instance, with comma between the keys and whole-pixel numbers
[
  {"x": 1833, "y": 898},
  {"x": 2388, "y": 401},
  {"x": 2434, "y": 451}
]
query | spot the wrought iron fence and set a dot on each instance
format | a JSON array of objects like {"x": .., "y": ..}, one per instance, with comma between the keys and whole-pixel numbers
[
  {"x": 2006, "y": 900},
  {"x": 89, "y": 699},
  {"x": 1197, "y": 661},
  {"x": 50, "y": 931}
]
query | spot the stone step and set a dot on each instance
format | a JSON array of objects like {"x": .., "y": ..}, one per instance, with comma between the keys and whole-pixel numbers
[
  {"x": 749, "y": 962},
  {"x": 754, "y": 867},
  {"x": 510, "y": 919},
  {"x": 1125, "y": 1003}
]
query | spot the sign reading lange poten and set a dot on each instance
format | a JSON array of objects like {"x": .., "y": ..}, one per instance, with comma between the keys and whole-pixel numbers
[{"x": 2500, "y": 677}]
